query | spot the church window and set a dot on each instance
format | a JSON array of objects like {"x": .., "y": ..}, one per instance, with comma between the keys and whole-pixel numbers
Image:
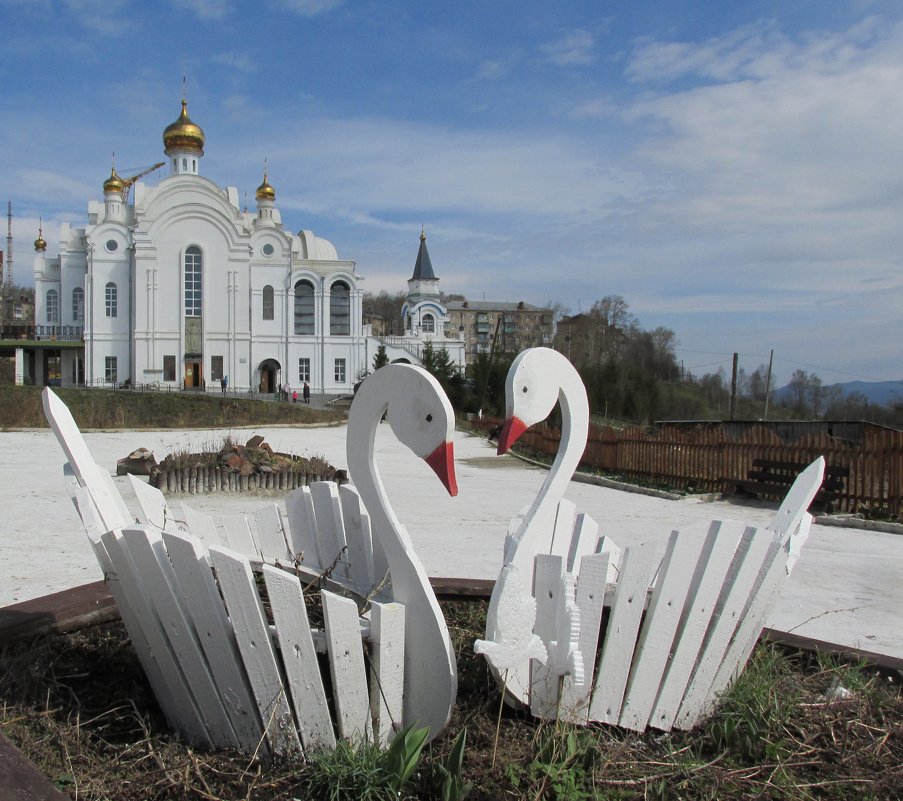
[
  {"x": 193, "y": 281},
  {"x": 184, "y": 164},
  {"x": 340, "y": 371},
  {"x": 111, "y": 299},
  {"x": 110, "y": 369},
  {"x": 428, "y": 324},
  {"x": 340, "y": 309},
  {"x": 169, "y": 368},
  {"x": 304, "y": 308},
  {"x": 269, "y": 306},
  {"x": 78, "y": 304},
  {"x": 53, "y": 307},
  {"x": 303, "y": 370},
  {"x": 268, "y": 249},
  {"x": 194, "y": 165},
  {"x": 111, "y": 245},
  {"x": 216, "y": 368}
]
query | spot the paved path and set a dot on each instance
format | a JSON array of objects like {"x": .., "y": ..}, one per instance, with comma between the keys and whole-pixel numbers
[{"x": 846, "y": 588}]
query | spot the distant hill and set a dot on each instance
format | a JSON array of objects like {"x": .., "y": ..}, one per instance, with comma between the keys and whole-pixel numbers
[{"x": 880, "y": 393}]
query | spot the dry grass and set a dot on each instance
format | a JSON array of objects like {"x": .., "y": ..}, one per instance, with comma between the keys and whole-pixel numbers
[{"x": 79, "y": 707}]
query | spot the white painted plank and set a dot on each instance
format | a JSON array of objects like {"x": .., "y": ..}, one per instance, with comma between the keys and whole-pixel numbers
[
  {"x": 563, "y": 531},
  {"x": 660, "y": 625},
  {"x": 638, "y": 564},
  {"x": 583, "y": 541},
  {"x": 152, "y": 506},
  {"x": 303, "y": 528},
  {"x": 386, "y": 669},
  {"x": 360, "y": 542},
  {"x": 547, "y": 591},
  {"x": 236, "y": 535},
  {"x": 110, "y": 507},
  {"x": 801, "y": 493},
  {"x": 201, "y": 598},
  {"x": 721, "y": 543},
  {"x": 330, "y": 529},
  {"x": 252, "y": 634},
  {"x": 271, "y": 534},
  {"x": 574, "y": 702},
  {"x": 199, "y": 524},
  {"x": 145, "y": 546},
  {"x": 346, "y": 662},
  {"x": 172, "y": 692},
  {"x": 609, "y": 546},
  {"x": 742, "y": 577},
  {"x": 302, "y": 670}
]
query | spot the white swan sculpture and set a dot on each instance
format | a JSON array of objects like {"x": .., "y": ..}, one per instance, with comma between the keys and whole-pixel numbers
[
  {"x": 422, "y": 418},
  {"x": 680, "y": 625}
]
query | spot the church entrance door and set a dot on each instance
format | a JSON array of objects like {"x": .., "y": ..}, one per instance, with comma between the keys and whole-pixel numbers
[
  {"x": 269, "y": 377},
  {"x": 193, "y": 377}
]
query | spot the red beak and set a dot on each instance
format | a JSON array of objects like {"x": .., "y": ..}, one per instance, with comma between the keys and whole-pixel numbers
[
  {"x": 511, "y": 433},
  {"x": 442, "y": 460}
]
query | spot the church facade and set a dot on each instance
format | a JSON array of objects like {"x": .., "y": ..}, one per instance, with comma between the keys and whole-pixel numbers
[{"x": 182, "y": 288}]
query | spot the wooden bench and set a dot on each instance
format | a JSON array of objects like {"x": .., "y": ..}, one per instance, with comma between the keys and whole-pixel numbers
[{"x": 771, "y": 479}]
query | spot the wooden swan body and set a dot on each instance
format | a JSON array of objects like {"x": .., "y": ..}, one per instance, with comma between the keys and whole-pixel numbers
[{"x": 421, "y": 417}]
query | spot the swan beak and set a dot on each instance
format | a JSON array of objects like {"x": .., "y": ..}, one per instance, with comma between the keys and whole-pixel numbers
[
  {"x": 511, "y": 433},
  {"x": 442, "y": 460}
]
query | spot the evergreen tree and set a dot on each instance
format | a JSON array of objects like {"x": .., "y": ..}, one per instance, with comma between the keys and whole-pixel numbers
[{"x": 380, "y": 358}]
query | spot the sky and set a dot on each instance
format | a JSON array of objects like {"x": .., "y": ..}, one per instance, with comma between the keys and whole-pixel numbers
[{"x": 734, "y": 170}]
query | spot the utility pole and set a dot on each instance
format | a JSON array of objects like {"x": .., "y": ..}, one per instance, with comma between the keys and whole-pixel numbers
[
  {"x": 733, "y": 409},
  {"x": 768, "y": 384}
]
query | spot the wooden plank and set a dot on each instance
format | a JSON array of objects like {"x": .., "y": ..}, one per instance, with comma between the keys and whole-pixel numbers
[
  {"x": 145, "y": 547},
  {"x": 663, "y": 616},
  {"x": 387, "y": 669},
  {"x": 271, "y": 538},
  {"x": 160, "y": 665},
  {"x": 252, "y": 634},
  {"x": 236, "y": 535},
  {"x": 201, "y": 598},
  {"x": 715, "y": 561},
  {"x": 638, "y": 564},
  {"x": 742, "y": 576},
  {"x": 111, "y": 508},
  {"x": 330, "y": 529},
  {"x": 299, "y": 657},
  {"x": 346, "y": 663},
  {"x": 547, "y": 592},
  {"x": 583, "y": 541},
  {"x": 58, "y": 612},
  {"x": 563, "y": 530},
  {"x": 359, "y": 539},
  {"x": 20, "y": 780},
  {"x": 574, "y": 701},
  {"x": 200, "y": 525},
  {"x": 303, "y": 528},
  {"x": 609, "y": 546},
  {"x": 153, "y": 509}
]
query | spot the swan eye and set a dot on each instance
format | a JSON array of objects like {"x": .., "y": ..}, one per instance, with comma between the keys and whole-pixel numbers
[
  {"x": 524, "y": 390},
  {"x": 429, "y": 418}
]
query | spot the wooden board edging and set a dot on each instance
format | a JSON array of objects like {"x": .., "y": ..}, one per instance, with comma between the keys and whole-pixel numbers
[{"x": 20, "y": 779}]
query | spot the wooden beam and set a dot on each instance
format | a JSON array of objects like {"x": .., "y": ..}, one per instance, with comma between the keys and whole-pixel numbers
[{"x": 20, "y": 780}]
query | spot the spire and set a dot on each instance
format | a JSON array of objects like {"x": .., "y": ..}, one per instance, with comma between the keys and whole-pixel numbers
[
  {"x": 39, "y": 244},
  {"x": 423, "y": 269}
]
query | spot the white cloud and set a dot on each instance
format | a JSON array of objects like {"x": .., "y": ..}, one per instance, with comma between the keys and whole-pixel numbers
[
  {"x": 240, "y": 62},
  {"x": 207, "y": 9},
  {"x": 573, "y": 48},
  {"x": 307, "y": 8},
  {"x": 103, "y": 16}
]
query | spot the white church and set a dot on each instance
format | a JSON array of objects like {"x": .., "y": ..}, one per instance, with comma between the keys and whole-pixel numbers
[{"x": 181, "y": 288}]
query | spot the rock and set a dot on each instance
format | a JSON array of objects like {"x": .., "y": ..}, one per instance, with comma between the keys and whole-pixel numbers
[
  {"x": 255, "y": 442},
  {"x": 341, "y": 477},
  {"x": 266, "y": 449},
  {"x": 246, "y": 468},
  {"x": 140, "y": 462}
]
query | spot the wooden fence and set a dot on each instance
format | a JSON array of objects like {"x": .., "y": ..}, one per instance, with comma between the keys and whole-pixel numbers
[{"x": 706, "y": 459}]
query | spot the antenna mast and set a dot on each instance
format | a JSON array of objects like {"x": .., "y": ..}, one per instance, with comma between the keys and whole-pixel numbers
[{"x": 8, "y": 282}]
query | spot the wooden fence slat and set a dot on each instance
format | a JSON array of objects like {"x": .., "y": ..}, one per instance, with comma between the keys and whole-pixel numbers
[
  {"x": 583, "y": 542},
  {"x": 299, "y": 657},
  {"x": 387, "y": 623},
  {"x": 547, "y": 574},
  {"x": 638, "y": 564},
  {"x": 563, "y": 528},
  {"x": 346, "y": 663},
  {"x": 271, "y": 534},
  {"x": 236, "y": 535},
  {"x": 198, "y": 524},
  {"x": 152, "y": 504},
  {"x": 302, "y": 524},
  {"x": 201, "y": 598},
  {"x": 330, "y": 528},
  {"x": 252, "y": 634},
  {"x": 360, "y": 542}
]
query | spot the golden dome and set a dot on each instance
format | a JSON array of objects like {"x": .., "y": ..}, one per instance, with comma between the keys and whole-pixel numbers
[
  {"x": 265, "y": 191},
  {"x": 183, "y": 134},
  {"x": 113, "y": 183},
  {"x": 39, "y": 243}
]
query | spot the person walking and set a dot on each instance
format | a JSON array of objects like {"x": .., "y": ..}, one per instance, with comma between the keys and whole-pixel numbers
[
  {"x": 224, "y": 383},
  {"x": 295, "y": 396},
  {"x": 306, "y": 392}
]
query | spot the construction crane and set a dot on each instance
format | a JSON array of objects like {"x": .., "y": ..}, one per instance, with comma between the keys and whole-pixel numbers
[{"x": 127, "y": 182}]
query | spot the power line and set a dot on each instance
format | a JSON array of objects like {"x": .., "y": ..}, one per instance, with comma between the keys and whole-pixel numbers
[{"x": 841, "y": 372}]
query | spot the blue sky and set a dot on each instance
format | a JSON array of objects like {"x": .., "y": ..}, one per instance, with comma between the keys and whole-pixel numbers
[{"x": 733, "y": 169}]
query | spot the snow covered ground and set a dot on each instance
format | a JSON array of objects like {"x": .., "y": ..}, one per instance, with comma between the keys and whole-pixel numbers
[{"x": 846, "y": 588}]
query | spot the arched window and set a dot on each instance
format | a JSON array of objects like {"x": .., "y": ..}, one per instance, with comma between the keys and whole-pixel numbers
[
  {"x": 340, "y": 309},
  {"x": 78, "y": 305},
  {"x": 193, "y": 281},
  {"x": 53, "y": 307},
  {"x": 269, "y": 307},
  {"x": 304, "y": 307},
  {"x": 428, "y": 324},
  {"x": 111, "y": 298}
]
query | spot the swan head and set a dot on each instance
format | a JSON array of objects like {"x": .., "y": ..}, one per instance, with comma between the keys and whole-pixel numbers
[
  {"x": 421, "y": 417},
  {"x": 531, "y": 391}
]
